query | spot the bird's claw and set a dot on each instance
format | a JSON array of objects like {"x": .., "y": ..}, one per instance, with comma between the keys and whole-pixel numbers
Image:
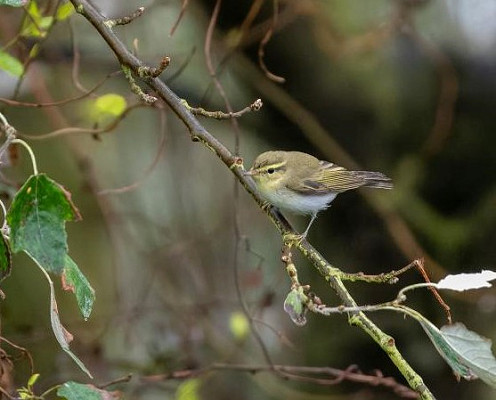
[
  {"x": 266, "y": 206},
  {"x": 292, "y": 239}
]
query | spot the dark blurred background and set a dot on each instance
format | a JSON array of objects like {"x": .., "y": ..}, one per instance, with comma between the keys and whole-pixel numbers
[{"x": 400, "y": 86}]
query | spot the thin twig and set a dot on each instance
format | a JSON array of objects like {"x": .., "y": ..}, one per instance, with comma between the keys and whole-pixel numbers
[
  {"x": 435, "y": 292},
  {"x": 184, "y": 5},
  {"x": 284, "y": 339},
  {"x": 255, "y": 7},
  {"x": 263, "y": 43},
  {"x": 76, "y": 56},
  {"x": 255, "y": 106},
  {"x": 122, "y": 379},
  {"x": 135, "y": 88},
  {"x": 448, "y": 81},
  {"x": 59, "y": 102},
  {"x": 22, "y": 350},
  {"x": 149, "y": 169},
  {"x": 125, "y": 20},
  {"x": 93, "y": 131},
  {"x": 7, "y": 394},
  {"x": 299, "y": 373},
  {"x": 385, "y": 277},
  {"x": 182, "y": 67},
  {"x": 10, "y": 134}
]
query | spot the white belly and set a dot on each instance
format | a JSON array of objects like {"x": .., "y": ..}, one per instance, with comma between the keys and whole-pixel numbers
[{"x": 297, "y": 203}]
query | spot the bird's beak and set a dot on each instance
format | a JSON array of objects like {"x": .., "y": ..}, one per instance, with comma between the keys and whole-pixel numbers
[{"x": 250, "y": 172}]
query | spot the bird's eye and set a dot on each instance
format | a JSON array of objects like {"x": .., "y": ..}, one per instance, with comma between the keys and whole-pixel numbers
[{"x": 270, "y": 171}]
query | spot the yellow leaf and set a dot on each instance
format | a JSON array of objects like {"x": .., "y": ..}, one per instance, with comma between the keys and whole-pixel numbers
[
  {"x": 239, "y": 325},
  {"x": 10, "y": 64},
  {"x": 188, "y": 390},
  {"x": 32, "y": 380},
  {"x": 36, "y": 25},
  {"x": 110, "y": 104},
  {"x": 34, "y": 50},
  {"x": 64, "y": 11}
]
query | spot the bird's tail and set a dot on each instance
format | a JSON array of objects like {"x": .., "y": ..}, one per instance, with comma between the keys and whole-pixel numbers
[{"x": 375, "y": 180}]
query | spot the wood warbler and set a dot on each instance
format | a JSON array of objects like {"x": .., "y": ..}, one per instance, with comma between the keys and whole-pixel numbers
[{"x": 302, "y": 184}]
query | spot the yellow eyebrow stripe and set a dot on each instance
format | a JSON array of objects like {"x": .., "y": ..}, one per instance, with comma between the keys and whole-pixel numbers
[{"x": 274, "y": 166}]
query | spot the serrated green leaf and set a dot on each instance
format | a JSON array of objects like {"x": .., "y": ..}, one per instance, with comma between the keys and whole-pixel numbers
[
  {"x": 10, "y": 64},
  {"x": 64, "y": 11},
  {"x": 188, "y": 390},
  {"x": 74, "y": 281},
  {"x": 13, "y": 3},
  {"x": 77, "y": 391},
  {"x": 5, "y": 258},
  {"x": 295, "y": 306},
  {"x": 239, "y": 325},
  {"x": 110, "y": 104},
  {"x": 37, "y": 219}
]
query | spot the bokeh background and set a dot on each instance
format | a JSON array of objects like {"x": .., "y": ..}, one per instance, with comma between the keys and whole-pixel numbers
[{"x": 400, "y": 86}]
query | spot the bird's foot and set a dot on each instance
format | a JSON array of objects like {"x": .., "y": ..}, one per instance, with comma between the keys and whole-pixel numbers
[
  {"x": 292, "y": 239},
  {"x": 266, "y": 206}
]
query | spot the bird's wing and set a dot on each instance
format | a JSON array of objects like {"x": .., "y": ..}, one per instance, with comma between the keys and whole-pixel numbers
[{"x": 331, "y": 178}]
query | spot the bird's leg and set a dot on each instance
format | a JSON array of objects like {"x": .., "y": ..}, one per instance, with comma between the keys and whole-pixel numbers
[
  {"x": 297, "y": 238},
  {"x": 309, "y": 225}
]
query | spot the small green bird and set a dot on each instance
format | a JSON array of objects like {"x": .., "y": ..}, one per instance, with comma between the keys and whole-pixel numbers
[{"x": 302, "y": 184}]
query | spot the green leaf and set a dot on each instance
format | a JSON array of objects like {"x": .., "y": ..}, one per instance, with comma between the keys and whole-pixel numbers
[
  {"x": 73, "y": 280},
  {"x": 10, "y": 64},
  {"x": 36, "y": 25},
  {"x": 446, "y": 350},
  {"x": 239, "y": 325},
  {"x": 32, "y": 29},
  {"x": 13, "y": 3},
  {"x": 35, "y": 50},
  {"x": 37, "y": 218},
  {"x": 32, "y": 380},
  {"x": 295, "y": 306},
  {"x": 77, "y": 391},
  {"x": 109, "y": 104},
  {"x": 62, "y": 335},
  {"x": 474, "y": 350},
  {"x": 5, "y": 258},
  {"x": 34, "y": 11},
  {"x": 24, "y": 394},
  {"x": 188, "y": 390},
  {"x": 64, "y": 11}
]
